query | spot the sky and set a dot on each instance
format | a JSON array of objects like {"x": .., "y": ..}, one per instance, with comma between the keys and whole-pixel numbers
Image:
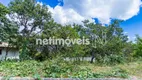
[{"x": 75, "y": 11}]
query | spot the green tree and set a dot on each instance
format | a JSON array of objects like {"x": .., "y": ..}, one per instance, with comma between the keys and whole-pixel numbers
[
  {"x": 105, "y": 40},
  {"x": 8, "y": 30},
  {"x": 3, "y": 12},
  {"x": 31, "y": 18},
  {"x": 138, "y": 47}
]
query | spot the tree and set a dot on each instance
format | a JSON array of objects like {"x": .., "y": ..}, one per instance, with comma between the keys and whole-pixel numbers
[
  {"x": 105, "y": 40},
  {"x": 3, "y": 12},
  {"x": 59, "y": 31},
  {"x": 7, "y": 28},
  {"x": 28, "y": 20},
  {"x": 138, "y": 47},
  {"x": 31, "y": 18}
]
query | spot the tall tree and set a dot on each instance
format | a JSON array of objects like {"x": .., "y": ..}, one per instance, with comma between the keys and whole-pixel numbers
[
  {"x": 105, "y": 40},
  {"x": 8, "y": 30},
  {"x": 3, "y": 12},
  {"x": 30, "y": 17}
]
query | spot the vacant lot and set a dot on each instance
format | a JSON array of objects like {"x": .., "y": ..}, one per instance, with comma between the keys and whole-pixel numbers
[{"x": 62, "y": 69}]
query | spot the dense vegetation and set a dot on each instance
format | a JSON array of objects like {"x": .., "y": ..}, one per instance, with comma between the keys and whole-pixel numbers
[
  {"x": 58, "y": 68},
  {"x": 24, "y": 21}
]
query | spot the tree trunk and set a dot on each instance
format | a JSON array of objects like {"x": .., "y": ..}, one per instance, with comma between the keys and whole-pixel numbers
[{"x": 93, "y": 56}]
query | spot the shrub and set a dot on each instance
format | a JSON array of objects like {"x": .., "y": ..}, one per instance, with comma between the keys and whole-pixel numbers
[{"x": 112, "y": 59}]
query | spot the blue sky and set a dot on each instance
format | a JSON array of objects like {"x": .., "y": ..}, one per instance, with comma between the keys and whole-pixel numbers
[
  {"x": 75, "y": 10},
  {"x": 52, "y": 3},
  {"x": 131, "y": 26}
]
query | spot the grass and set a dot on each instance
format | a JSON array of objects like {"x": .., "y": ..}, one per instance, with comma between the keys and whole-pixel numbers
[
  {"x": 61, "y": 69},
  {"x": 132, "y": 68}
]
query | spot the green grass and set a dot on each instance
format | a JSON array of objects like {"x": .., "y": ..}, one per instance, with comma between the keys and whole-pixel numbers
[
  {"x": 129, "y": 69},
  {"x": 62, "y": 69}
]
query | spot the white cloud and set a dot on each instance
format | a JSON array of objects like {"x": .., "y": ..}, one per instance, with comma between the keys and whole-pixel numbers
[
  {"x": 75, "y": 11},
  {"x": 78, "y": 10},
  {"x": 125, "y": 32},
  {"x": 65, "y": 16}
]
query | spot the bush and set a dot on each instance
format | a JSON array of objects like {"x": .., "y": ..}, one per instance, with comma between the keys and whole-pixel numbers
[{"x": 112, "y": 59}]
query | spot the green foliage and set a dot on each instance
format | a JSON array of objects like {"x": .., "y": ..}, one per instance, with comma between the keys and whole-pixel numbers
[
  {"x": 108, "y": 44},
  {"x": 56, "y": 68},
  {"x": 32, "y": 17},
  {"x": 18, "y": 68},
  {"x": 3, "y": 10},
  {"x": 117, "y": 72},
  {"x": 138, "y": 47},
  {"x": 37, "y": 77},
  {"x": 112, "y": 59}
]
